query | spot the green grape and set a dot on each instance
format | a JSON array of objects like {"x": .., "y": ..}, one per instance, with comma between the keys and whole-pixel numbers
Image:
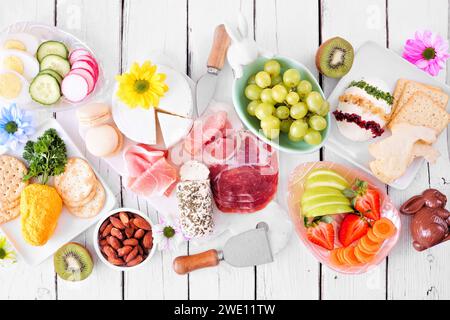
[
  {"x": 272, "y": 67},
  {"x": 292, "y": 98},
  {"x": 279, "y": 93},
  {"x": 282, "y": 112},
  {"x": 270, "y": 122},
  {"x": 251, "y": 80},
  {"x": 276, "y": 80},
  {"x": 313, "y": 137},
  {"x": 314, "y": 101},
  {"x": 266, "y": 96},
  {"x": 324, "y": 109},
  {"x": 264, "y": 110},
  {"x": 251, "y": 107},
  {"x": 286, "y": 125},
  {"x": 304, "y": 88},
  {"x": 298, "y": 129},
  {"x": 317, "y": 123},
  {"x": 291, "y": 77},
  {"x": 263, "y": 79},
  {"x": 271, "y": 133},
  {"x": 253, "y": 92},
  {"x": 299, "y": 110}
]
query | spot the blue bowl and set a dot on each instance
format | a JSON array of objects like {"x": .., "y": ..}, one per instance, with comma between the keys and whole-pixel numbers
[{"x": 240, "y": 102}]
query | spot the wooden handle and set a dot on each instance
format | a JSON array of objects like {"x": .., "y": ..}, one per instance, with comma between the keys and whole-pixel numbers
[
  {"x": 219, "y": 48},
  {"x": 186, "y": 264}
]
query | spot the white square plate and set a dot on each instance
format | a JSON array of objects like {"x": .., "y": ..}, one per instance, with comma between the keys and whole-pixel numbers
[
  {"x": 68, "y": 226},
  {"x": 375, "y": 61}
]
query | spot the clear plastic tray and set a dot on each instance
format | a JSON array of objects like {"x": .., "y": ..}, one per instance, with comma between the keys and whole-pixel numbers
[
  {"x": 44, "y": 32},
  {"x": 295, "y": 192}
]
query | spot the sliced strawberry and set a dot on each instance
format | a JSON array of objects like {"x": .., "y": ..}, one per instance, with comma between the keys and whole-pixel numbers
[
  {"x": 353, "y": 227},
  {"x": 322, "y": 234},
  {"x": 366, "y": 199}
]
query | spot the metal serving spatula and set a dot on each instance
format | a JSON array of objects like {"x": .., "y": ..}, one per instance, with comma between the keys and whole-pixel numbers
[{"x": 247, "y": 249}]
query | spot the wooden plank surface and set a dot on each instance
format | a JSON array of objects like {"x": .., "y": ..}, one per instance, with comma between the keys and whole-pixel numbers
[
  {"x": 368, "y": 23},
  {"x": 131, "y": 30}
]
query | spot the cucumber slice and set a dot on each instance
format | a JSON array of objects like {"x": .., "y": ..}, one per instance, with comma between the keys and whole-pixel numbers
[
  {"x": 52, "y": 47},
  {"x": 45, "y": 89},
  {"x": 52, "y": 73},
  {"x": 55, "y": 63}
]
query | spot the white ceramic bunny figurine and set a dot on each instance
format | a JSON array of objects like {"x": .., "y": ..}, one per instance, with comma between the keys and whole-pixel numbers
[{"x": 243, "y": 49}]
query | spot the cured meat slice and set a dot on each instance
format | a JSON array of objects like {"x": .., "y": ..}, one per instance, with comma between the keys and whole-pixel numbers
[
  {"x": 150, "y": 174},
  {"x": 247, "y": 180},
  {"x": 205, "y": 130}
]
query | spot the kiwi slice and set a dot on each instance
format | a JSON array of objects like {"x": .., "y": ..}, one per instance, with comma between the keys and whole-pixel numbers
[
  {"x": 73, "y": 262},
  {"x": 334, "y": 58}
]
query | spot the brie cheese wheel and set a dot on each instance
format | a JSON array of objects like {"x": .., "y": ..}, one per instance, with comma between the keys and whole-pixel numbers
[
  {"x": 178, "y": 99},
  {"x": 173, "y": 128},
  {"x": 137, "y": 124}
]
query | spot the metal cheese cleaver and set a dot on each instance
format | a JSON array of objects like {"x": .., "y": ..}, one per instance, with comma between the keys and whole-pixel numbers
[
  {"x": 247, "y": 249},
  {"x": 206, "y": 85}
]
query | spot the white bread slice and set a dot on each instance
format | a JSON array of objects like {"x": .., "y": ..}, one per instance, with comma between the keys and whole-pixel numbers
[{"x": 422, "y": 110}]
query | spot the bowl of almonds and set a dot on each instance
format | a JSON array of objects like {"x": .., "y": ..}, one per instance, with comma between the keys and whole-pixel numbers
[{"x": 124, "y": 240}]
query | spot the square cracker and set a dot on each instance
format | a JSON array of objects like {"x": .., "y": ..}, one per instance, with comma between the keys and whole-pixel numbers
[
  {"x": 412, "y": 87},
  {"x": 422, "y": 110}
]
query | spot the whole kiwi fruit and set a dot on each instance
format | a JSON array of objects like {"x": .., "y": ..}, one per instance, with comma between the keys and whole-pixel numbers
[
  {"x": 73, "y": 262},
  {"x": 334, "y": 58}
]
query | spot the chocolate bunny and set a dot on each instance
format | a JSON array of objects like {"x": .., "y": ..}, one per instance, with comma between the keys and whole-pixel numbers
[{"x": 431, "y": 222}]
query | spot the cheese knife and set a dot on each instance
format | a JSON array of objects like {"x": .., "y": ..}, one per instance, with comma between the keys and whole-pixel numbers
[
  {"x": 250, "y": 248},
  {"x": 206, "y": 85}
]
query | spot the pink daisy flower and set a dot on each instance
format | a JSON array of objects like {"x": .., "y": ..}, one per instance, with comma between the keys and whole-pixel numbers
[{"x": 428, "y": 51}]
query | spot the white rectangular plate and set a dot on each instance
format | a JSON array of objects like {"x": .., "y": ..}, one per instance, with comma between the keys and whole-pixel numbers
[
  {"x": 375, "y": 61},
  {"x": 68, "y": 226}
]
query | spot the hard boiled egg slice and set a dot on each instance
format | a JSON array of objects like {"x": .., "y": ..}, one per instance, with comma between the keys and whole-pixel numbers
[
  {"x": 20, "y": 62},
  {"x": 14, "y": 87},
  {"x": 20, "y": 41}
]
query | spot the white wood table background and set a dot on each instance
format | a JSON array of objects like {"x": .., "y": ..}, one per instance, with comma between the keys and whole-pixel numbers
[{"x": 121, "y": 31}]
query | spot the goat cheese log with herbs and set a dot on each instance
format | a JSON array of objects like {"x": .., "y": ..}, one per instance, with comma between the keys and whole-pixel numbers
[
  {"x": 195, "y": 200},
  {"x": 364, "y": 109}
]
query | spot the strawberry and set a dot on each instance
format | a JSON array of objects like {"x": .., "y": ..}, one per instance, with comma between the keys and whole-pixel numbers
[
  {"x": 353, "y": 227},
  {"x": 366, "y": 199},
  {"x": 321, "y": 233}
]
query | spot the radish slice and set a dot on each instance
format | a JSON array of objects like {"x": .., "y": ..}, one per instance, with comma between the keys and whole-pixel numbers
[
  {"x": 87, "y": 75},
  {"x": 77, "y": 53},
  {"x": 88, "y": 65},
  {"x": 75, "y": 87}
]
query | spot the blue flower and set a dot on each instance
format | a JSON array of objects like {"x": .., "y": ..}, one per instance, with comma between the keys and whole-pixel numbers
[{"x": 16, "y": 127}]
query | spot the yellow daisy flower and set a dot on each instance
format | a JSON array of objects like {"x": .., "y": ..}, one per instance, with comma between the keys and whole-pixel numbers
[
  {"x": 7, "y": 254},
  {"x": 141, "y": 86}
]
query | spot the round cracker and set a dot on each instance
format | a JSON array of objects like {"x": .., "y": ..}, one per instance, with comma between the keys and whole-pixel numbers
[
  {"x": 82, "y": 202},
  {"x": 92, "y": 208},
  {"x": 77, "y": 181},
  {"x": 8, "y": 215},
  {"x": 12, "y": 171}
]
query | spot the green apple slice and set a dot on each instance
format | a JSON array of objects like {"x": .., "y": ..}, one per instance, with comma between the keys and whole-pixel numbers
[
  {"x": 313, "y": 193},
  {"x": 328, "y": 210},
  {"x": 324, "y": 201},
  {"x": 325, "y": 180},
  {"x": 325, "y": 172}
]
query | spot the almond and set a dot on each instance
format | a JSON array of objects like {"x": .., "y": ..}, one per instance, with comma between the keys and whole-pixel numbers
[
  {"x": 124, "y": 251},
  {"x": 130, "y": 242},
  {"x": 135, "y": 261},
  {"x": 132, "y": 255},
  {"x": 116, "y": 261},
  {"x": 124, "y": 218},
  {"x": 114, "y": 242},
  {"x": 103, "y": 226},
  {"x": 139, "y": 233},
  {"x": 117, "y": 233},
  {"x": 129, "y": 232},
  {"x": 140, "y": 250},
  {"x": 103, "y": 243},
  {"x": 117, "y": 223},
  {"x": 147, "y": 241},
  {"x": 109, "y": 251},
  {"x": 141, "y": 223},
  {"x": 107, "y": 230}
]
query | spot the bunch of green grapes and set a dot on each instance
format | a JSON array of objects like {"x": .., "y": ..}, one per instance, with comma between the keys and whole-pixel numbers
[{"x": 286, "y": 103}]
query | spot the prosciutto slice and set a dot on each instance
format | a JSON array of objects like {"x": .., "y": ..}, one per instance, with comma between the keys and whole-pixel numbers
[
  {"x": 245, "y": 178},
  {"x": 149, "y": 172}
]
